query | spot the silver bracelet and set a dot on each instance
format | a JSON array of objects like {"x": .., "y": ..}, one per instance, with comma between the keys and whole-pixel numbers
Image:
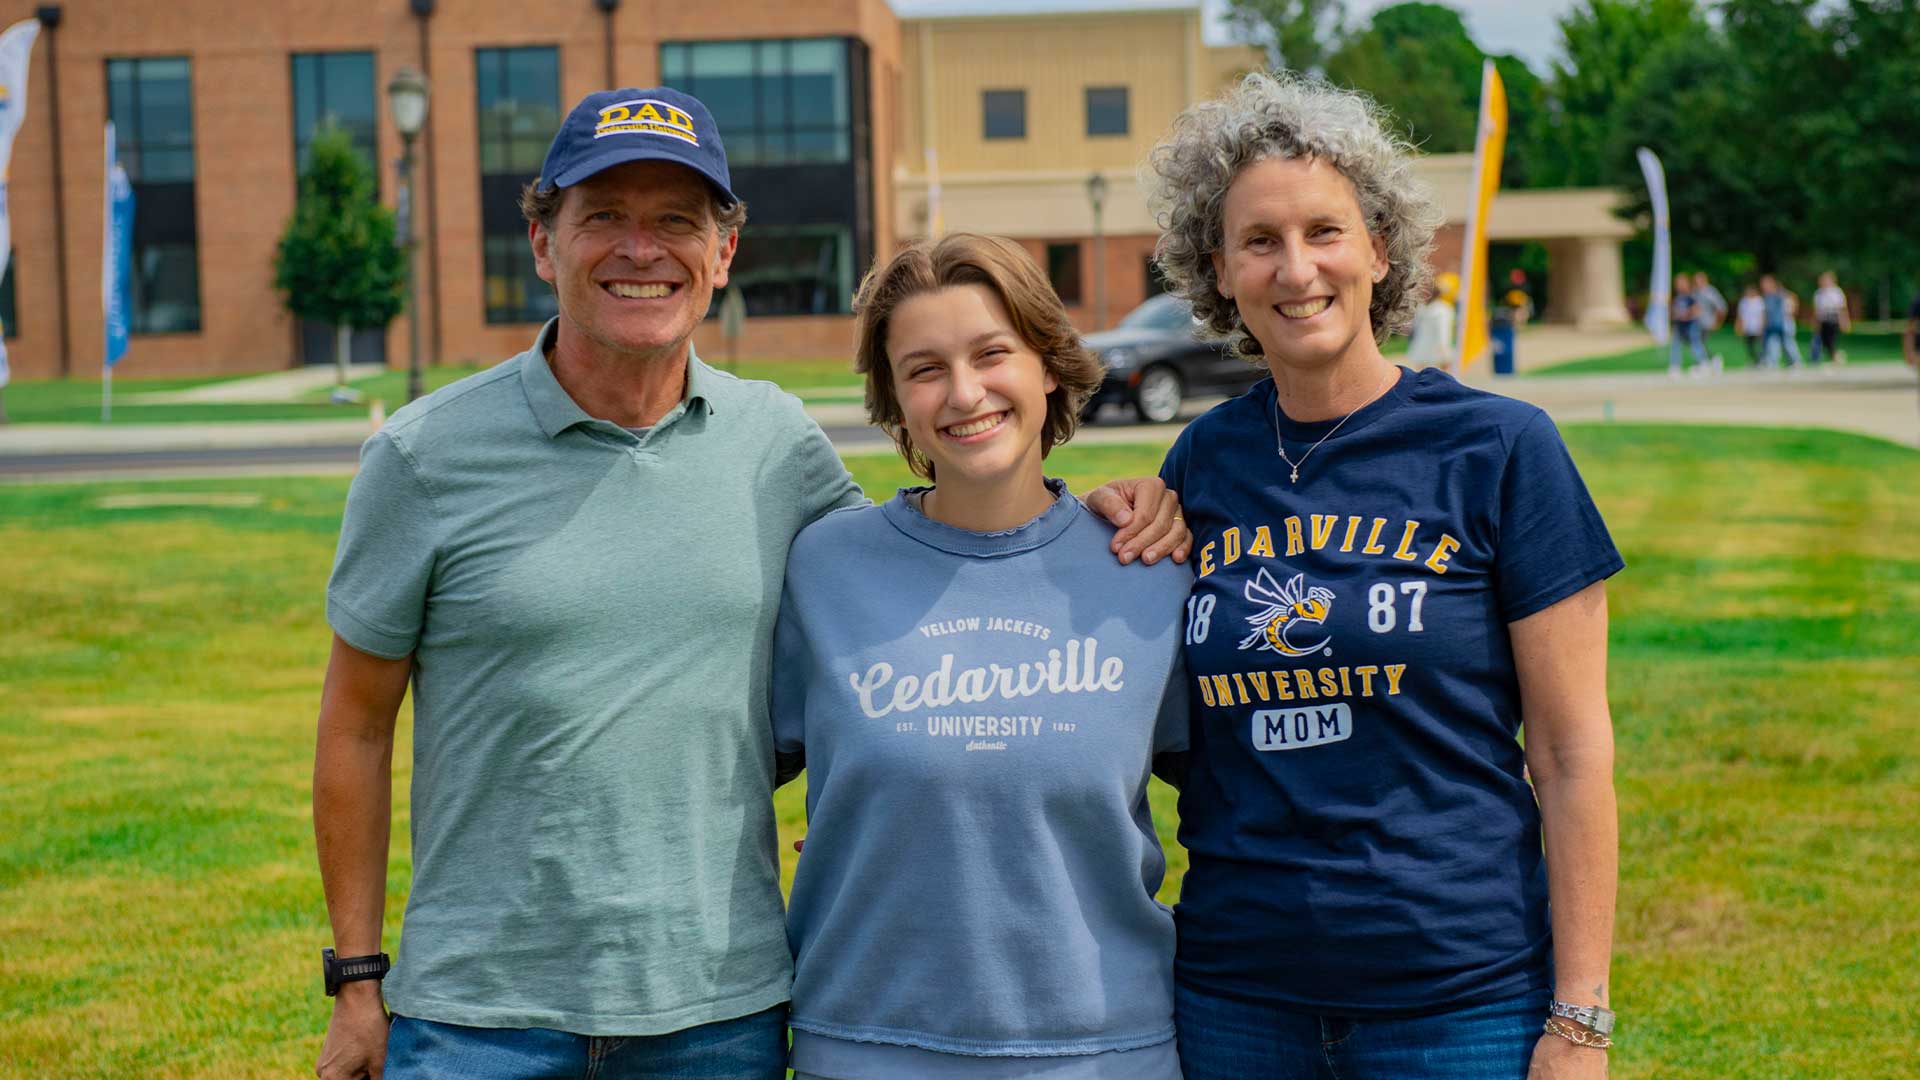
[{"x": 1593, "y": 1016}]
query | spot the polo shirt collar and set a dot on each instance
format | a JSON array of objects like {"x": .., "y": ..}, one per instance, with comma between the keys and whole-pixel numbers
[{"x": 556, "y": 411}]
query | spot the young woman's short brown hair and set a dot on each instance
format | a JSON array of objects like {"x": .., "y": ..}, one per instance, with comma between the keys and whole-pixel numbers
[{"x": 1005, "y": 269}]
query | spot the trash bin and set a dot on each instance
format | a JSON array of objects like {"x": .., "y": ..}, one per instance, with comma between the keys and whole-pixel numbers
[{"x": 1502, "y": 333}]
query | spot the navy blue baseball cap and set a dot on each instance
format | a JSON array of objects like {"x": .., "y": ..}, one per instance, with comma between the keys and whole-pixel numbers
[{"x": 613, "y": 127}]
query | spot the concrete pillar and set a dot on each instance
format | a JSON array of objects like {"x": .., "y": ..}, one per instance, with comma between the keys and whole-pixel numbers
[{"x": 1584, "y": 287}]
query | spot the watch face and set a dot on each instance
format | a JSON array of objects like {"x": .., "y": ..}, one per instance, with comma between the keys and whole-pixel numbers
[{"x": 1594, "y": 1016}]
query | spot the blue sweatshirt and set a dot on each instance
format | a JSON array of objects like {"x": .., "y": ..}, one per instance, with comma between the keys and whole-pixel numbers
[{"x": 979, "y": 714}]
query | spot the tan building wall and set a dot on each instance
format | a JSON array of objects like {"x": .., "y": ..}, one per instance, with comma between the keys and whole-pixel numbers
[
  {"x": 1034, "y": 189},
  {"x": 1157, "y": 55},
  {"x": 244, "y": 154}
]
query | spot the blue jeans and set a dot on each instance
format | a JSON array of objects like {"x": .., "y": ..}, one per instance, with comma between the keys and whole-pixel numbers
[
  {"x": 1690, "y": 335},
  {"x": 1228, "y": 1039},
  {"x": 1775, "y": 338},
  {"x": 750, "y": 1048}
]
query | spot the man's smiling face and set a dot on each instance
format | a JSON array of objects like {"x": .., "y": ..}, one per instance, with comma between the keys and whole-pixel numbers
[{"x": 634, "y": 254}]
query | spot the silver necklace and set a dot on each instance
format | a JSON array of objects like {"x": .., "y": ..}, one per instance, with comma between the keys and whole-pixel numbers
[{"x": 1279, "y": 440}]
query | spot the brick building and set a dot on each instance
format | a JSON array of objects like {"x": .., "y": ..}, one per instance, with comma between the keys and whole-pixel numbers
[
  {"x": 215, "y": 100},
  {"x": 851, "y": 126}
]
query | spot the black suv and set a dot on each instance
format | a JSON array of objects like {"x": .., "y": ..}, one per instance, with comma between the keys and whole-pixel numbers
[{"x": 1156, "y": 357}]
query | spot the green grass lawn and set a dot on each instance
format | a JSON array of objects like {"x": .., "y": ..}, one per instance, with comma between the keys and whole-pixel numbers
[
  {"x": 1860, "y": 349},
  {"x": 813, "y": 379},
  {"x": 77, "y": 401},
  {"x": 160, "y": 912}
]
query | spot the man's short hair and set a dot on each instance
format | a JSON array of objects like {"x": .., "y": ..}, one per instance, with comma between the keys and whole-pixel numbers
[{"x": 539, "y": 206}]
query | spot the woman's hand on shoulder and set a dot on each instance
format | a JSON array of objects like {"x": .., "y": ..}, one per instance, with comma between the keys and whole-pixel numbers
[{"x": 1147, "y": 514}]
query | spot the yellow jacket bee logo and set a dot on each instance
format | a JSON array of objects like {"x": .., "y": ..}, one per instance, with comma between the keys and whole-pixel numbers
[
  {"x": 1283, "y": 611},
  {"x": 645, "y": 116}
]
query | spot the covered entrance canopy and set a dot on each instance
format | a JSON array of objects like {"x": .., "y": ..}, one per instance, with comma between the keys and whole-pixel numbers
[{"x": 1577, "y": 226}]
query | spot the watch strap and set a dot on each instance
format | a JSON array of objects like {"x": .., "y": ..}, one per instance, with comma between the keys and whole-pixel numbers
[
  {"x": 345, "y": 969},
  {"x": 1600, "y": 1020}
]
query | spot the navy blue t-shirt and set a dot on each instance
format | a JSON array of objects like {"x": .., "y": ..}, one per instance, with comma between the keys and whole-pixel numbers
[{"x": 1362, "y": 838}]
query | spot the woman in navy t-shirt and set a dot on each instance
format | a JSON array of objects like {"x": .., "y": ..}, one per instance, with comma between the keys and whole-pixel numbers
[{"x": 1395, "y": 576}]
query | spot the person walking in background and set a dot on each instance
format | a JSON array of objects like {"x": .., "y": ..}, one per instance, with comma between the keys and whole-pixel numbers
[
  {"x": 1777, "y": 324},
  {"x": 1711, "y": 314},
  {"x": 1430, "y": 343},
  {"x": 1830, "y": 319},
  {"x": 1685, "y": 319},
  {"x": 1751, "y": 321}
]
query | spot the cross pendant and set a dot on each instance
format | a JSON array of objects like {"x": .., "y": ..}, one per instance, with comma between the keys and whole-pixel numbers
[{"x": 1296, "y": 476}]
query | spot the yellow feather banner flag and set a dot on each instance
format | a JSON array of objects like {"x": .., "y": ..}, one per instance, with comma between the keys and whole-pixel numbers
[{"x": 1489, "y": 147}]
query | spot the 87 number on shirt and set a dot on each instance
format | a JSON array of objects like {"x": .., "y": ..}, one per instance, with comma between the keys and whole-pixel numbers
[
  {"x": 1382, "y": 610},
  {"x": 1383, "y": 613}
]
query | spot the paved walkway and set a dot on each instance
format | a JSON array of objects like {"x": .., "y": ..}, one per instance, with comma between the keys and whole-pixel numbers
[
  {"x": 1880, "y": 400},
  {"x": 28, "y": 440},
  {"x": 277, "y": 387},
  {"x": 1545, "y": 344}
]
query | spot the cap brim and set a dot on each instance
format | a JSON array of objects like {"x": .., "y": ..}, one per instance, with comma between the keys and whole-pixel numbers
[{"x": 620, "y": 155}]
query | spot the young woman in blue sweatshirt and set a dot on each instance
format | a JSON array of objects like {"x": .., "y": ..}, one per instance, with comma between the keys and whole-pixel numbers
[{"x": 979, "y": 691}]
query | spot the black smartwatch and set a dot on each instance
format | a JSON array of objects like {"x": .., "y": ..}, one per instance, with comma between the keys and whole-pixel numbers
[{"x": 338, "y": 969}]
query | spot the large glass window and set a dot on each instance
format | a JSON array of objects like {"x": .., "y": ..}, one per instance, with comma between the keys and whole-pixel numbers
[
  {"x": 517, "y": 92},
  {"x": 150, "y": 101},
  {"x": 794, "y": 116},
  {"x": 1063, "y": 270},
  {"x": 1003, "y": 114},
  {"x": 775, "y": 102},
  {"x": 1156, "y": 281},
  {"x": 794, "y": 269},
  {"x": 335, "y": 89},
  {"x": 1106, "y": 110},
  {"x": 6, "y": 301}
]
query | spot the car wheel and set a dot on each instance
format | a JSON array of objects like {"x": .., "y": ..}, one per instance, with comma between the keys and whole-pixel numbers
[{"x": 1157, "y": 398}]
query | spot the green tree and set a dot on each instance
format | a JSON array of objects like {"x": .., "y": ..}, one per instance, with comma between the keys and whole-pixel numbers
[
  {"x": 1606, "y": 43},
  {"x": 1688, "y": 103},
  {"x": 1863, "y": 172},
  {"x": 338, "y": 262},
  {"x": 1528, "y": 112},
  {"x": 1419, "y": 61},
  {"x": 1298, "y": 34}
]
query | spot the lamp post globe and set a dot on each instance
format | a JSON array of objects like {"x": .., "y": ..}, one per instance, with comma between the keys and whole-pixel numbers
[{"x": 407, "y": 101}]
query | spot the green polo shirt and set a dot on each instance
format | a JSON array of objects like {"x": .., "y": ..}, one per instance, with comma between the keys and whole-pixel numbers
[{"x": 590, "y": 614}]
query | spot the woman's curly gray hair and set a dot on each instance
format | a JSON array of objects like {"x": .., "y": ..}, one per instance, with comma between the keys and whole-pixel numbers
[{"x": 1287, "y": 116}]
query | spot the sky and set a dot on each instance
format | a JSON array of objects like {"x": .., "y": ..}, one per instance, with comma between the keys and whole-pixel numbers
[
  {"x": 1526, "y": 28},
  {"x": 1523, "y": 27}
]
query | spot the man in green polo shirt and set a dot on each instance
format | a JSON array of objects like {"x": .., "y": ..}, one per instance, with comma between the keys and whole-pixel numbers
[{"x": 575, "y": 558}]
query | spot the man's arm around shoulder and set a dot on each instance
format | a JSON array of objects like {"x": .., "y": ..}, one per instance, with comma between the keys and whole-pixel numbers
[{"x": 352, "y": 820}]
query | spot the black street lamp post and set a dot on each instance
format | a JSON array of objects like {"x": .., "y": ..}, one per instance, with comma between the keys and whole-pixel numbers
[
  {"x": 1097, "y": 196},
  {"x": 407, "y": 101}
]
